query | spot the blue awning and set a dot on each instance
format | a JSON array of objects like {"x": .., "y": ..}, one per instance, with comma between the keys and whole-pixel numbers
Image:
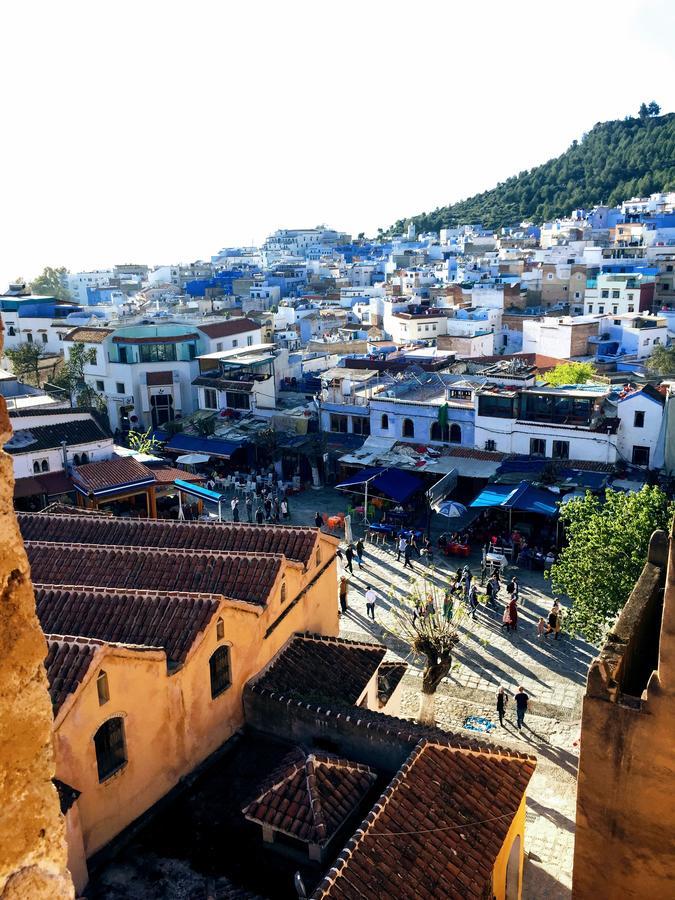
[
  {"x": 211, "y": 446},
  {"x": 396, "y": 484},
  {"x": 523, "y": 498},
  {"x": 187, "y": 487}
]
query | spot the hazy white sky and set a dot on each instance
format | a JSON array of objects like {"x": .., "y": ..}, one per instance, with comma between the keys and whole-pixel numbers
[{"x": 156, "y": 132}]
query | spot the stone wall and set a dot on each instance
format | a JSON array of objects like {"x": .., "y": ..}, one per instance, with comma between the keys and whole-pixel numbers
[
  {"x": 625, "y": 832},
  {"x": 32, "y": 833}
]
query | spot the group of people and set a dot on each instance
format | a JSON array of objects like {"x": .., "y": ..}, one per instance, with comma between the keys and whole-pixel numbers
[
  {"x": 270, "y": 509},
  {"x": 521, "y": 700},
  {"x": 406, "y": 546},
  {"x": 353, "y": 550}
]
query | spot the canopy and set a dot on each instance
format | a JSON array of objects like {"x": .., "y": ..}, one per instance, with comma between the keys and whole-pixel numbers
[
  {"x": 451, "y": 509},
  {"x": 523, "y": 498},
  {"x": 187, "y": 487},
  {"x": 192, "y": 459},
  {"x": 394, "y": 483},
  {"x": 209, "y": 446}
]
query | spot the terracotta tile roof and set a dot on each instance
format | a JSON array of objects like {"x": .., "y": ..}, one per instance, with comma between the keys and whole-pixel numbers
[
  {"x": 68, "y": 660},
  {"x": 470, "y": 453},
  {"x": 310, "y": 795},
  {"x": 322, "y": 669},
  {"x": 230, "y": 575},
  {"x": 294, "y": 543},
  {"x": 111, "y": 473},
  {"x": 413, "y": 843},
  {"x": 168, "y": 474},
  {"x": 228, "y": 327},
  {"x": 49, "y": 437},
  {"x": 166, "y": 621},
  {"x": 88, "y": 335}
]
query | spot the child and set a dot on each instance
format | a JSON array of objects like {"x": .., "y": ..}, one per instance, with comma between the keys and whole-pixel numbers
[{"x": 541, "y": 627}]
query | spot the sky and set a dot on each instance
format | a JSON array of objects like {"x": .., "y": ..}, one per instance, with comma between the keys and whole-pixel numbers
[{"x": 159, "y": 132}]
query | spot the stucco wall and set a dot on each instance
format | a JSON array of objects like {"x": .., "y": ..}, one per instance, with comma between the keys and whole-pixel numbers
[{"x": 32, "y": 832}]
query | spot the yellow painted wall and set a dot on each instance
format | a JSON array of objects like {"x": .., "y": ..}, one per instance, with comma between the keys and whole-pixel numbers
[
  {"x": 499, "y": 870},
  {"x": 171, "y": 722}
]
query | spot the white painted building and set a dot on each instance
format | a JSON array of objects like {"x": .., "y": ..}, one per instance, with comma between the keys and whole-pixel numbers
[
  {"x": 641, "y": 413},
  {"x": 78, "y": 282},
  {"x": 405, "y": 326}
]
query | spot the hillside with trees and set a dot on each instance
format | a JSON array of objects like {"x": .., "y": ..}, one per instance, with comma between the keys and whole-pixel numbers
[{"x": 611, "y": 163}]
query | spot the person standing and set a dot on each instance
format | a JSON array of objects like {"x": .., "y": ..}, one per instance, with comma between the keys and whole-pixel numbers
[
  {"x": 466, "y": 578},
  {"x": 408, "y": 552},
  {"x": 553, "y": 616},
  {"x": 371, "y": 599},
  {"x": 473, "y": 600},
  {"x": 506, "y": 618},
  {"x": 249, "y": 509},
  {"x": 235, "y": 509},
  {"x": 402, "y": 544},
  {"x": 260, "y": 515},
  {"x": 349, "y": 556},
  {"x": 284, "y": 508},
  {"x": 343, "y": 589},
  {"x": 521, "y": 706},
  {"x": 359, "y": 552},
  {"x": 276, "y": 510},
  {"x": 448, "y": 606},
  {"x": 501, "y": 705},
  {"x": 318, "y": 520},
  {"x": 268, "y": 508},
  {"x": 513, "y": 612}
]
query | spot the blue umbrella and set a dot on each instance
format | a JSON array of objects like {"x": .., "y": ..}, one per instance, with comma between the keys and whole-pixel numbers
[{"x": 451, "y": 509}]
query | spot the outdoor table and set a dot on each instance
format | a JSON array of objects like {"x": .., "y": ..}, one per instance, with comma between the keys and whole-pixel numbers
[
  {"x": 457, "y": 549},
  {"x": 497, "y": 558},
  {"x": 381, "y": 529}
]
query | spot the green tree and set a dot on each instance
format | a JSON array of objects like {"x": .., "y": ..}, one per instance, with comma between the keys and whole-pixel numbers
[
  {"x": 72, "y": 379},
  {"x": 662, "y": 360},
  {"x": 25, "y": 360},
  {"x": 143, "y": 441},
  {"x": 418, "y": 619},
  {"x": 571, "y": 373},
  {"x": 607, "y": 548},
  {"x": 653, "y": 109},
  {"x": 51, "y": 283}
]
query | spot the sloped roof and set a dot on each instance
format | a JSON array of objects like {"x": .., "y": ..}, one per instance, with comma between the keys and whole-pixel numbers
[
  {"x": 324, "y": 669},
  {"x": 67, "y": 662},
  {"x": 232, "y": 575},
  {"x": 229, "y": 327},
  {"x": 295, "y": 543},
  {"x": 168, "y": 621},
  {"x": 110, "y": 473},
  {"x": 437, "y": 829},
  {"x": 86, "y": 335},
  {"x": 50, "y": 437},
  {"x": 310, "y": 795}
]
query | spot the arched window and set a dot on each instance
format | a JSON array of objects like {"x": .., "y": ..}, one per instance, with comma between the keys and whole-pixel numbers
[
  {"x": 36, "y": 468},
  {"x": 283, "y": 591},
  {"x": 385, "y": 422},
  {"x": 408, "y": 428},
  {"x": 220, "y": 629},
  {"x": 84, "y": 458},
  {"x": 102, "y": 688},
  {"x": 455, "y": 434},
  {"x": 111, "y": 753},
  {"x": 45, "y": 465},
  {"x": 435, "y": 433},
  {"x": 76, "y": 459},
  {"x": 219, "y": 665}
]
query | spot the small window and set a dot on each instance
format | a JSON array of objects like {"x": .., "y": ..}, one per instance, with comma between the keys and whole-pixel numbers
[
  {"x": 408, "y": 428},
  {"x": 29, "y": 337},
  {"x": 616, "y": 295},
  {"x": 76, "y": 459},
  {"x": 44, "y": 465},
  {"x": 110, "y": 750},
  {"x": 36, "y": 468},
  {"x": 219, "y": 666},
  {"x": 84, "y": 458},
  {"x": 102, "y": 688},
  {"x": 455, "y": 434},
  {"x": 249, "y": 341},
  {"x": 639, "y": 419},
  {"x": 100, "y": 386},
  {"x": 235, "y": 342},
  {"x": 210, "y": 398},
  {"x": 219, "y": 347},
  {"x": 490, "y": 445},
  {"x": 283, "y": 591},
  {"x": 44, "y": 338},
  {"x": 11, "y": 331},
  {"x": 384, "y": 422},
  {"x": 631, "y": 308},
  {"x": 561, "y": 450},
  {"x": 605, "y": 295},
  {"x": 601, "y": 308},
  {"x": 220, "y": 629},
  {"x": 119, "y": 387},
  {"x": 640, "y": 456},
  {"x": 537, "y": 447}
]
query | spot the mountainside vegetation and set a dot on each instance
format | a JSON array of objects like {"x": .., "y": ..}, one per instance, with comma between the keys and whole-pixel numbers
[{"x": 611, "y": 163}]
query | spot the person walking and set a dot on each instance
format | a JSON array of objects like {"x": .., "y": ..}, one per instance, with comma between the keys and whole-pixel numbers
[
  {"x": 249, "y": 509},
  {"x": 276, "y": 510},
  {"x": 513, "y": 613},
  {"x": 359, "y": 552},
  {"x": 506, "y": 618},
  {"x": 318, "y": 520},
  {"x": 260, "y": 515},
  {"x": 448, "y": 605},
  {"x": 473, "y": 600},
  {"x": 402, "y": 544},
  {"x": 349, "y": 556},
  {"x": 553, "y": 616},
  {"x": 343, "y": 589},
  {"x": 268, "y": 508},
  {"x": 501, "y": 705},
  {"x": 284, "y": 508},
  {"x": 467, "y": 578},
  {"x": 371, "y": 599},
  {"x": 521, "y": 706},
  {"x": 408, "y": 552},
  {"x": 235, "y": 509}
]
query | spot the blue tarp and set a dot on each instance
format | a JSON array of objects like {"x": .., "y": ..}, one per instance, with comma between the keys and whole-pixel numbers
[
  {"x": 523, "y": 498},
  {"x": 186, "y": 443},
  {"x": 196, "y": 490},
  {"x": 395, "y": 483}
]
